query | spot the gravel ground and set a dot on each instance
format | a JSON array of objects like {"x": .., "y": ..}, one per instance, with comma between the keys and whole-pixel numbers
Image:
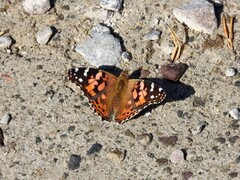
[{"x": 53, "y": 134}]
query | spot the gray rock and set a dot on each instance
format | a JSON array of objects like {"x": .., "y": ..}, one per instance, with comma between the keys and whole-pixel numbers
[
  {"x": 44, "y": 34},
  {"x": 198, "y": 15},
  {"x": 114, "y": 5},
  {"x": 74, "y": 162},
  {"x": 6, "y": 119},
  {"x": 102, "y": 49},
  {"x": 36, "y": 6},
  {"x": 5, "y": 41},
  {"x": 95, "y": 148},
  {"x": 152, "y": 35}
]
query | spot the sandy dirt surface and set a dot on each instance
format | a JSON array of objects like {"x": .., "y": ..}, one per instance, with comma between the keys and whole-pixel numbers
[{"x": 50, "y": 121}]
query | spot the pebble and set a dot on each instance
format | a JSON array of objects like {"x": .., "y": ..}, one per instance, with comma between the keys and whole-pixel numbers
[
  {"x": 237, "y": 160},
  {"x": 74, "y": 162},
  {"x": 173, "y": 71},
  {"x": 102, "y": 49},
  {"x": 198, "y": 15},
  {"x": 235, "y": 113},
  {"x": 231, "y": 72},
  {"x": 116, "y": 156},
  {"x": 44, "y": 34},
  {"x": 168, "y": 140},
  {"x": 1, "y": 138},
  {"x": 162, "y": 161},
  {"x": 5, "y": 41},
  {"x": 144, "y": 139},
  {"x": 199, "y": 128},
  {"x": 6, "y": 119},
  {"x": 95, "y": 148},
  {"x": 186, "y": 175},
  {"x": 152, "y": 35},
  {"x": 126, "y": 56},
  {"x": 114, "y": 5},
  {"x": 177, "y": 156},
  {"x": 36, "y": 6}
]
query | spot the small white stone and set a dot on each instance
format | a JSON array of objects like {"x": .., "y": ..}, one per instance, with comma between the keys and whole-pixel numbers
[
  {"x": 36, "y": 6},
  {"x": 177, "y": 156},
  {"x": 126, "y": 56},
  {"x": 235, "y": 113},
  {"x": 6, "y": 119},
  {"x": 44, "y": 34},
  {"x": 114, "y": 5},
  {"x": 231, "y": 72},
  {"x": 154, "y": 22},
  {"x": 152, "y": 35},
  {"x": 5, "y": 41}
]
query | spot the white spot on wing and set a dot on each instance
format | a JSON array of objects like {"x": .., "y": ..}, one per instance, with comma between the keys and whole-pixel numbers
[
  {"x": 76, "y": 69},
  {"x": 86, "y": 72},
  {"x": 152, "y": 87},
  {"x": 160, "y": 89},
  {"x": 152, "y": 96},
  {"x": 80, "y": 80}
]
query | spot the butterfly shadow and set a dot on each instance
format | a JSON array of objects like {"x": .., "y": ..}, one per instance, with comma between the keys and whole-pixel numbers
[{"x": 175, "y": 91}]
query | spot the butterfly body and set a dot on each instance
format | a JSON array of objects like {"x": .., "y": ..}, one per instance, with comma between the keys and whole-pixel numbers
[{"x": 115, "y": 98}]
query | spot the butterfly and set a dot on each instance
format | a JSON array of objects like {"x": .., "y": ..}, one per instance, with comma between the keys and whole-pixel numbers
[{"x": 115, "y": 98}]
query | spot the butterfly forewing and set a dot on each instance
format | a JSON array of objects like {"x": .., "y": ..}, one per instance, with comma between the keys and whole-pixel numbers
[{"x": 93, "y": 82}]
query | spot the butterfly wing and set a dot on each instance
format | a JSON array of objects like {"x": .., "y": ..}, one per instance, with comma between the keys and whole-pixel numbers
[
  {"x": 95, "y": 85},
  {"x": 139, "y": 95}
]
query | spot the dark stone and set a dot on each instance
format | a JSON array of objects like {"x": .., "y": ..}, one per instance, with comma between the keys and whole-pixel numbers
[
  {"x": 186, "y": 175},
  {"x": 63, "y": 136},
  {"x": 234, "y": 125},
  {"x": 236, "y": 83},
  {"x": 38, "y": 140},
  {"x": 221, "y": 140},
  {"x": 151, "y": 155},
  {"x": 74, "y": 162},
  {"x": 216, "y": 149},
  {"x": 198, "y": 102},
  {"x": 168, "y": 140},
  {"x": 180, "y": 113},
  {"x": 173, "y": 71},
  {"x": 1, "y": 138},
  {"x": 71, "y": 128},
  {"x": 233, "y": 139},
  {"x": 233, "y": 174},
  {"x": 237, "y": 159},
  {"x": 39, "y": 67},
  {"x": 162, "y": 161},
  {"x": 95, "y": 148}
]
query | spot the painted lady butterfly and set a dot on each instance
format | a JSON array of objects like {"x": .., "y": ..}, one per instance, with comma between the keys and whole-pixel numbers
[{"x": 117, "y": 98}]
